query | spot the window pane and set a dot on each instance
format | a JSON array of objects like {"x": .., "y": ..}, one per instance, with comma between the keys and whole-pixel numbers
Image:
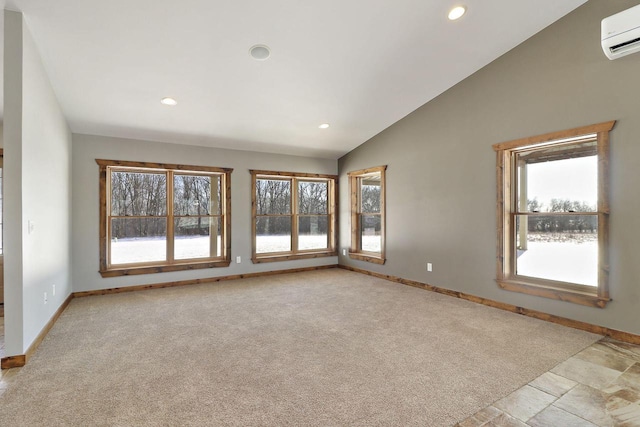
[
  {"x": 138, "y": 194},
  {"x": 312, "y": 232},
  {"x": 558, "y": 185},
  {"x": 370, "y": 193},
  {"x": 273, "y": 197},
  {"x": 273, "y": 234},
  {"x": 138, "y": 240},
  {"x": 192, "y": 195},
  {"x": 555, "y": 247},
  {"x": 312, "y": 197},
  {"x": 370, "y": 233},
  {"x": 192, "y": 237}
]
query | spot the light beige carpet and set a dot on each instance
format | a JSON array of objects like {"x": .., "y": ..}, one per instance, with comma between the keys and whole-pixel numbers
[{"x": 322, "y": 348}]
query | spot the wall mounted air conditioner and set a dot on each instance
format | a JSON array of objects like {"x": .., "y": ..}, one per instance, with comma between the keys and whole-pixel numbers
[{"x": 621, "y": 33}]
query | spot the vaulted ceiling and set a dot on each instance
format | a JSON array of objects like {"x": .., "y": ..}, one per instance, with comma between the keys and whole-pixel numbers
[{"x": 358, "y": 65}]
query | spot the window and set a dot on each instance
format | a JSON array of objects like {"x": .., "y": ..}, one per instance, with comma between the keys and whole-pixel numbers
[
  {"x": 367, "y": 214},
  {"x": 160, "y": 217},
  {"x": 553, "y": 215},
  {"x": 293, "y": 215}
]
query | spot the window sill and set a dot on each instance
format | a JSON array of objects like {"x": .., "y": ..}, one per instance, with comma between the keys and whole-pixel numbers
[
  {"x": 555, "y": 292},
  {"x": 129, "y": 271},
  {"x": 367, "y": 258},
  {"x": 275, "y": 258}
]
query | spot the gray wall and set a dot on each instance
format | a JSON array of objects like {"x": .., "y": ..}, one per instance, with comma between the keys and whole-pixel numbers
[
  {"x": 37, "y": 160},
  {"x": 441, "y": 190},
  {"x": 87, "y": 148}
]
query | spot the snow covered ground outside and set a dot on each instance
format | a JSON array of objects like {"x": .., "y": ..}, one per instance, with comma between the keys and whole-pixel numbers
[
  {"x": 129, "y": 251},
  {"x": 265, "y": 244},
  {"x": 371, "y": 243},
  {"x": 563, "y": 261},
  {"x": 283, "y": 243}
]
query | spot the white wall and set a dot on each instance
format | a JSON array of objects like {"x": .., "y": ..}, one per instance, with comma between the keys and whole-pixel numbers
[
  {"x": 38, "y": 153},
  {"x": 87, "y": 148},
  {"x": 12, "y": 140}
]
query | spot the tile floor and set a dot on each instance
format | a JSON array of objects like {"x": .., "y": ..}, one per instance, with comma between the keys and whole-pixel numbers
[{"x": 599, "y": 386}]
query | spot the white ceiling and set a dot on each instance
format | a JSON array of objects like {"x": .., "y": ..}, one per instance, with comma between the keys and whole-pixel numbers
[{"x": 360, "y": 65}]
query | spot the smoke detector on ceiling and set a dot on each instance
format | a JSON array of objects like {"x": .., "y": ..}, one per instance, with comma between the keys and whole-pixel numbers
[{"x": 260, "y": 52}]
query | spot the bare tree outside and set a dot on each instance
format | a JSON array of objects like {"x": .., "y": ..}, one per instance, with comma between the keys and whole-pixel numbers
[
  {"x": 313, "y": 221},
  {"x": 139, "y": 214},
  {"x": 370, "y": 218},
  {"x": 276, "y": 214},
  {"x": 273, "y": 207},
  {"x": 141, "y": 196},
  {"x": 562, "y": 223},
  {"x": 196, "y": 210}
]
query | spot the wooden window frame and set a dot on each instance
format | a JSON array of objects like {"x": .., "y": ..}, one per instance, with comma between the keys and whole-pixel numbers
[
  {"x": 170, "y": 264},
  {"x": 332, "y": 209},
  {"x": 506, "y": 170},
  {"x": 355, "y": 250}
]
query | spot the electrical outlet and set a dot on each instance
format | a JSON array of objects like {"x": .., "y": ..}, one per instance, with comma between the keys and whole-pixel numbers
[
  {"x": 53, "y": 291},
  {"x": 238, "y": 260},
  {"x": 344, "y": 252},
  {"x": 45, "y": 297},
  {"x": 429, "y": 266}
]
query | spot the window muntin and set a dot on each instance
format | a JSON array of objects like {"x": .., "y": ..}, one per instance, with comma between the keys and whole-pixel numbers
[
  {"x": 293, "y": 215},
  {"x": 367, "y": 214},
  {"x": 159, "y": 217},
  {"x": 553, "y": 215}
]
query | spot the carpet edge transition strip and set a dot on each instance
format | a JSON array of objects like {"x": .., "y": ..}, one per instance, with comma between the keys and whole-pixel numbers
[{"x": 575, "y": 324}]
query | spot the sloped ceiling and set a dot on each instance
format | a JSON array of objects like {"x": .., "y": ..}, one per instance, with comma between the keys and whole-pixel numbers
[{"x": 359, "y": 65}]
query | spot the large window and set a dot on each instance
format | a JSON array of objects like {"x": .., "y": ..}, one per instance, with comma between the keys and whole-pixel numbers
[
  {"x": 368, "y": 214},
  {"x": 293, "y": 215},
  {"x": 553, "y": 215},
  {"x": 160, "y": 217}
]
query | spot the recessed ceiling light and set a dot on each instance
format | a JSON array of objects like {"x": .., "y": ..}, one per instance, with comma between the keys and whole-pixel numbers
[
  {"x": 324, "y": 126},
  {"x": 168, "y": 101},
  {"x": 260, "y": 52},
  {"x": 457, "y": 12}
]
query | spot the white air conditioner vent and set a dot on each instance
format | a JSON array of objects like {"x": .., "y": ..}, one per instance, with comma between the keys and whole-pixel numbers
[{"x": 621, "y": 33}]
